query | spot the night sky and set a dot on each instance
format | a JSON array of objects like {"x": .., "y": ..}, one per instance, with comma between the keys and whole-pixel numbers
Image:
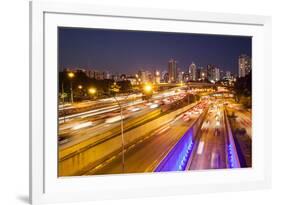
[{"x": 127, "y": 52}]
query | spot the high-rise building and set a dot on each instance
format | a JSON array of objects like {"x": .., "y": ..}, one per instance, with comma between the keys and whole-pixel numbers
[
  {"x": 172, "y": 70},
  {"x": 145, "y": 76},
  {"x": 209, "y": 72},
  {"x": 115, "y": 77},
  {"x": 186, "y": 77},
  {"x": 133, "y": 80},
  {"x": 198, "y": 71},
  {"x": 149, "y": 76},
  {"x": 192, "y": 72},
  {"x": 213, "y": 73},
  {"x": 163, "y": 74},
  {"x": 180, "y": 76},
  {"x": 166, "y": 78},
  {"x": 142, "y": 76},
  {"x": 222, "y": 74},
  {"x": 216, "y": 74},
  {"x": 244, "y": 65},
  {"x": 106, "y": 75},
  {"x": 97, "y": 75},
  {"x": 156, "y": 76},
  {"x": 90, "y": 73},
  {"x": 203, "y": 73},
  {"x": 228, "y": 75}
]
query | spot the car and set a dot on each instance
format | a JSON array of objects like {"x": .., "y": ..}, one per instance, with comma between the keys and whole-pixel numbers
[
  {"x": 134, "y": 109},
  {"x": 63, "y": 140}
]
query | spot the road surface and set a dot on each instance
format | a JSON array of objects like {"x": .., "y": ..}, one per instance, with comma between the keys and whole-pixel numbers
[
  {"x": 146, "y": 155},
  {"x": 211, "y": 149}
]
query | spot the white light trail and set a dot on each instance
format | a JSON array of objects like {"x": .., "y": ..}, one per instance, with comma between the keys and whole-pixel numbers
[{"x": 82, "y": 125}]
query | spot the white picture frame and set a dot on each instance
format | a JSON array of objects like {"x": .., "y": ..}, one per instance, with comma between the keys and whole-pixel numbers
[{"x": 46, "y": 187}]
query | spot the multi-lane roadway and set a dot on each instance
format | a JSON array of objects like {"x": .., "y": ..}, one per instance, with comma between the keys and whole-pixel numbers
[
  {"x": 145, "y": 154},
  {"x": 211, "y": 150},
  {"x": 77, "y": 127}
]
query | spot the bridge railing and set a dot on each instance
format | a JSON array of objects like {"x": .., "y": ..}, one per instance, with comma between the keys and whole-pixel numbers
[
  {"x": 233, "y": 159},
  {"x": 180, "y": 155}
]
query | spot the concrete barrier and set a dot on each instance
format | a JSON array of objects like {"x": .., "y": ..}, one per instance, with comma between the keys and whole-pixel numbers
[
  {"x": 233, "y": 159},
  {"x": 80, "y": 159},
  {"x": 179, "y": 156}
]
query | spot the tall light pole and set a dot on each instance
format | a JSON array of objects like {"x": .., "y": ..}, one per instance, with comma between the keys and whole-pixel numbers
[
  {"x": 71, "y": 75},
  {"x": 62, "y": 91},
  {"x": 115, "y": 88},
  {"x": 122, "y": 134}
]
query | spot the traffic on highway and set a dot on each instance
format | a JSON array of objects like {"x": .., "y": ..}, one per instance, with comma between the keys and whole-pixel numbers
[{"x": 175, "y": 130}]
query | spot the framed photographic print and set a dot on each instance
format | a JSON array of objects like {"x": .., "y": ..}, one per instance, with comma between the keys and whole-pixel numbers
[{"x": 129, "y": 102}]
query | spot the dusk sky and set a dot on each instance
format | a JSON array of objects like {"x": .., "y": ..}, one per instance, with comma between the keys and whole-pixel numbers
[{"x": 127, "y": 52}]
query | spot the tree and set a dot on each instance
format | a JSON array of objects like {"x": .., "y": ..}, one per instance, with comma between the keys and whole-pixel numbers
[
  {"x": 114, "y": 88},
  {"x": 125, "y": 86},
  {"x": 243, "y": 88}
]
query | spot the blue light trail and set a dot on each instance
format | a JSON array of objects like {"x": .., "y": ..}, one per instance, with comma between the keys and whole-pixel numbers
[
  {"x": 178, "y": 157},
  {"x": 231, "y": 159}
]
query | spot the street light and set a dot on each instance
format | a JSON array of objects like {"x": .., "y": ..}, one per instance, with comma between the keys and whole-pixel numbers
[
  {"x": 122, "y": 134},
  {"x": 71, "y": 75},
  {"x": 92, "y": 91},
  {"x": 147, "y": 91},
  {"x": 115, "y": 89},
  {"x": 80, "y": 87},
  {"x": 147, "y": 88}
]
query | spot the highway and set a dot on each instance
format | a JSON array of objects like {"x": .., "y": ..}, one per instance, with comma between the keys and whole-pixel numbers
[
  {"x": 84, "y": 109},
  {"x": 211, "y": 149},
  {"x": 243, "y": 117},
  {"x": 147, "y": 154},
  {"x": 84, "y": 125},
  {"x": 144, "y": 154},
  {"x": 83, "y": 128},
  {"x": 241, "y": 122}
]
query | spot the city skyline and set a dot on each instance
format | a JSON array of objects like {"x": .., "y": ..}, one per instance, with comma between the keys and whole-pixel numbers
[{"x": 119, "y": 51}]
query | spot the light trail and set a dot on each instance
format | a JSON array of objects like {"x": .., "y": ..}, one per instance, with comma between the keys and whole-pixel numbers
[
  {"x": 178, "y": 157},
  {"x": 200, "y": 147},
  {"x": 96, "y": 111},
  {"x": 82, "y": 125}
]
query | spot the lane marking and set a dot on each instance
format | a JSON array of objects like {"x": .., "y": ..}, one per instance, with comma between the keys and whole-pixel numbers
[
  {"x": 132, "y": 146},
  {"x": 149, "y": 169},
  {"x": 99, "y": 166},
  {"x": 213, "y": 159},
  {"x": 164, "y": 129},
  {"x": 111, "y": 159},
  {"x": 200, "y": 147}
]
